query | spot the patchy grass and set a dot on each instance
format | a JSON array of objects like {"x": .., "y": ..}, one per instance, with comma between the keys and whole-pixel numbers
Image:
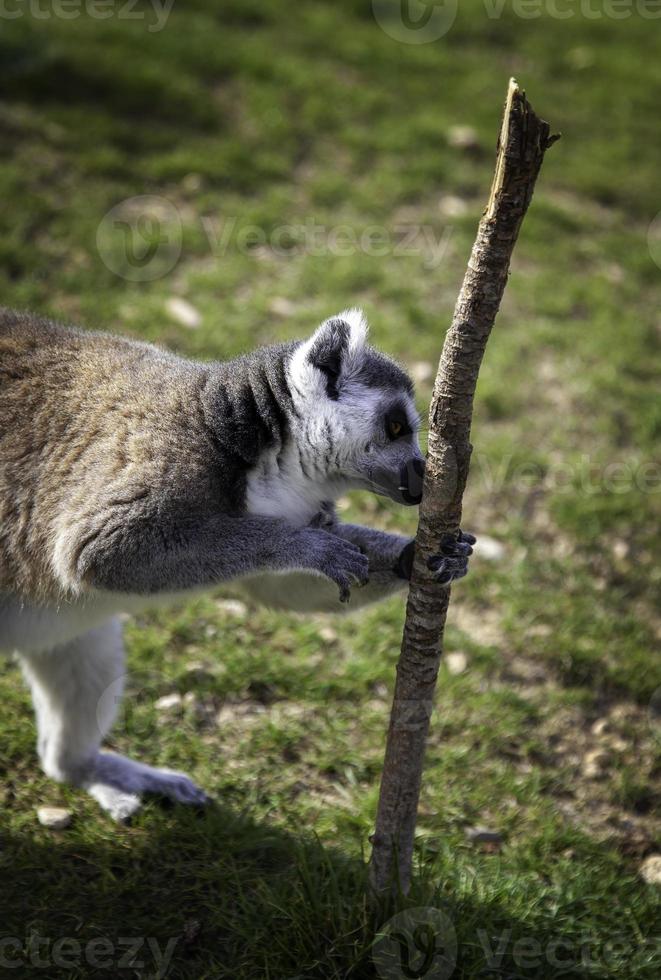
[{"x": 248, "y": 117}]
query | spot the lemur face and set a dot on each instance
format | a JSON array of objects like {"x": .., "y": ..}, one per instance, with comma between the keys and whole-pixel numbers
[{"x": 357, "y": 411}]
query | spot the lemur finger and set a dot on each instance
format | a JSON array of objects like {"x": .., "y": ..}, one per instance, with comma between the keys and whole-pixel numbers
[
  {"x": 447, "y": 569},
  {"x": 451, "y": 575},
  {"x": 457, "y": 548},
  {"x": 460, "y": 544},
  {"x": 437, "y": 563}
]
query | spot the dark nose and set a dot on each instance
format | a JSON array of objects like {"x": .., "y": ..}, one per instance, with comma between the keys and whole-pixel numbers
[{"x": 411, "y": 477}]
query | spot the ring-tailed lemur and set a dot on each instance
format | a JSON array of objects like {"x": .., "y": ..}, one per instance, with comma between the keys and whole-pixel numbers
[{"x": 128, "y": 473}]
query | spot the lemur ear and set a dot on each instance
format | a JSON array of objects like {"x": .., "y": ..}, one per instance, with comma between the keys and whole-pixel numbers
[{"x": 334, "y": 346}]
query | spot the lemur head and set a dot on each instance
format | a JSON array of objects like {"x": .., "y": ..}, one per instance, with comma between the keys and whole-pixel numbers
[{"x": 356, "y": 413}]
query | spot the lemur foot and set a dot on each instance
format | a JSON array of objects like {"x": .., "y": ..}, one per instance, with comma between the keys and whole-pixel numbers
[
  {"x": 117, "y": 784},
  {"x": 449, "y": 565}
]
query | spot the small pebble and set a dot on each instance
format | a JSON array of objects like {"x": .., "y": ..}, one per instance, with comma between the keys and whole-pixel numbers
[
  {"x": 183, "y": 312},
  {"x": 192, "y": 183},
  {"x": 232, "y": 607},
  {"x": 168, "y": 702},
  {"x": 54, "y": 817},
  {"x": 452, "y": 207},
  {"x": 650, "y": 869},
  {"x": 456, "y": 662},
  {"x": 282, "y": 306},
  {"x": 421, "y": 371},
  {"x": 463, "y": 138},
  {"x": 595, "y": 764}
]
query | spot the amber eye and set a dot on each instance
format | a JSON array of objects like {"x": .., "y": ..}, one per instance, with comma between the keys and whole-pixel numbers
[{"x": 395, "y": 428}]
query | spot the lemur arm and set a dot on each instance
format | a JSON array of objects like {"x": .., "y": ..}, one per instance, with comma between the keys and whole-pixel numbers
[
  {"x": 160, "y": 553},
  {"x": 390, "y": 559}
]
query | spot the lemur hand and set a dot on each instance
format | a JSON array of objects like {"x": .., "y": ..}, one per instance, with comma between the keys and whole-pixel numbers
[
  {"x": 338, "y": 559},
  {"x": 449, "y": 565}
]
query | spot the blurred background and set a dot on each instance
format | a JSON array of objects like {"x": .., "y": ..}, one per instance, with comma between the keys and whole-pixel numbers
[{"x": 217, "y": 174}]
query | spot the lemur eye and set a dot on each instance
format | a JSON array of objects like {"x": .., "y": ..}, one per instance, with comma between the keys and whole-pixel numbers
[{"x": 397, "y": 424}]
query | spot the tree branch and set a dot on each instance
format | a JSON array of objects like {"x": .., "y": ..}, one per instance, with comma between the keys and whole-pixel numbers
[{"x": 524, "y": 138}]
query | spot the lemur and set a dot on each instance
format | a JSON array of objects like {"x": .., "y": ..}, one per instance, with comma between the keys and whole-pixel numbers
[{"x": 129, "y": 474}]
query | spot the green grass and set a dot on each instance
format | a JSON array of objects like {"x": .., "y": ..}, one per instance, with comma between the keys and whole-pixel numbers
[{"x": 271, "y": 114}]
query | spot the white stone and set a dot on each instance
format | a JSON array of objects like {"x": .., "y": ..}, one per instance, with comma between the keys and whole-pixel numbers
[
  {"x": 451, "y": 206},
  {"x": 463, "y": 138},
  {"x": 282, "y": 306},
  {"x": 456, "y": 662},
  {"x": 232, "y": 607},
  {"x": 168, "y": 702},
  {"x": 54, "y": 817},
  {"x": 421, "y": 371},
  {"x": 650, "y": 869},
  {"x": 183, "y": 312}
]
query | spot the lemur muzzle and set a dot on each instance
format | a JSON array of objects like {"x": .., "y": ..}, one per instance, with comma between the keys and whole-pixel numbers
[{"x": 411, "y": 477}]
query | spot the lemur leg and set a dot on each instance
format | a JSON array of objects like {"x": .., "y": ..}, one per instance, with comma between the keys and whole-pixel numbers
[{"x": 76, "y": 690}]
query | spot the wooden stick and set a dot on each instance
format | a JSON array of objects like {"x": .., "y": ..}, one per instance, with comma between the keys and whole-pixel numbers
[{"x": 524, "y": 138}]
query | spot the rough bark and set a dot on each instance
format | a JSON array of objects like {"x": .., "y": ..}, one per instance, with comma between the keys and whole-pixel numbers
[{"x": 524, "y": 138}]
